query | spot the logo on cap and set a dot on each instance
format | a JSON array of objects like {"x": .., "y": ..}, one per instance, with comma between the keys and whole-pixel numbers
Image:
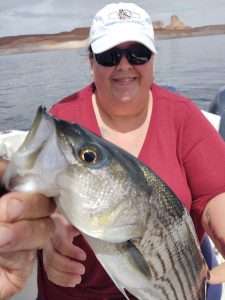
[{"x": 124, "y": 14}]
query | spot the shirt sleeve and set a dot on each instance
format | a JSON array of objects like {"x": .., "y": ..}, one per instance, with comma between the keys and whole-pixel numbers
[{"x": 203, "y": 151}]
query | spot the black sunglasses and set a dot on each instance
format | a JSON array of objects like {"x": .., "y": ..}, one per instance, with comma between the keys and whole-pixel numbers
[{"x": 135, "y": 54}]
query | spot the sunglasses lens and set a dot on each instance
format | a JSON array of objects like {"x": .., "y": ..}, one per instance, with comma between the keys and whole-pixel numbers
[
  {"x": 138, "y": 55},
  {"x": 108, "y": 58}
]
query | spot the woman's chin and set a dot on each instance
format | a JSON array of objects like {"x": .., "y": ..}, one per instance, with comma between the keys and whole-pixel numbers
[{"x": 127, "y": 96}]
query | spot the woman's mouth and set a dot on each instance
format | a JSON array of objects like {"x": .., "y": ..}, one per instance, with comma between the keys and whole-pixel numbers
[{"x": 124, "y": 80}]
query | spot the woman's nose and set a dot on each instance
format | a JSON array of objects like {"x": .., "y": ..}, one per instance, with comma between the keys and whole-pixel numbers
[{"x": 124, "y": 63}]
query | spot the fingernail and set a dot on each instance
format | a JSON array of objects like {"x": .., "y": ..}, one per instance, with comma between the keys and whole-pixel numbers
[
  {"x": 14, "y": 209},
  {"x": 5, "y": 236}
]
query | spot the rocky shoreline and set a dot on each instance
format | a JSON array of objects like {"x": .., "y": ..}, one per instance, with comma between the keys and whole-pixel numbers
[
  {"x": 78, "y": 38},
  {"x": 162, "y": 33}
]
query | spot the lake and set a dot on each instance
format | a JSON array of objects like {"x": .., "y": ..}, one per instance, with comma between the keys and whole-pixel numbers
[{"x": 195, "y": 66}]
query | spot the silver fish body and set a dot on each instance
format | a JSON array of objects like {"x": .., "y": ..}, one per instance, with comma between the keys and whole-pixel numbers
[{"x": 139, "y": 230}]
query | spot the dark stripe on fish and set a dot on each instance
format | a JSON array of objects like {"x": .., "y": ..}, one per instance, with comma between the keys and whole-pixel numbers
[
  {"x": 177, "y": 274},
  {"x": 185, "y": 264},
  {"x": 194, "y": 262},
  {"x": 172, "y": 288},
  {"x": 153, "y": 271},
  {"x": 163, "y": 291},
  {"x": 162, "y": 262}
]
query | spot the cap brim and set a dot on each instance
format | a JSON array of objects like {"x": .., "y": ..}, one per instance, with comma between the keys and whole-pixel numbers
[{"x": 120, "y": 35}]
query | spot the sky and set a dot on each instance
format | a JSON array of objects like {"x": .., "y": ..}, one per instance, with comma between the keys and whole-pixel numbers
[{"x": 50, "y": 16}]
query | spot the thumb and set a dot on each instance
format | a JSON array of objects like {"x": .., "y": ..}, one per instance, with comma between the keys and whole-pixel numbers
[{"x": 217, "y": 274}]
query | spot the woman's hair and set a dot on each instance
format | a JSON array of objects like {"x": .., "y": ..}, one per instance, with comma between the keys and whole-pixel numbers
[{"x": 90, "y": 52}]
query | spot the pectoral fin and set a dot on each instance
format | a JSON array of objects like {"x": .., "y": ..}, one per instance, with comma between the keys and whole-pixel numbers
[
  {"x": 137, "y": 258},
  {"x": 124, "y": 263}
]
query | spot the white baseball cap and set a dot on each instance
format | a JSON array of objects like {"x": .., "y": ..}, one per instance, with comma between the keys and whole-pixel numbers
[{"x": 117, "y": 23}]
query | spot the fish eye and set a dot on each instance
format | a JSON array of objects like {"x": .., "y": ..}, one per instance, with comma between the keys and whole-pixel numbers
[{"x": 88, "y": 155}]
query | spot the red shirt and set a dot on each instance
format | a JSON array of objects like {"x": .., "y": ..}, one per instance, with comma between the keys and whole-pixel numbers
[{"x": 181, "y": 146}]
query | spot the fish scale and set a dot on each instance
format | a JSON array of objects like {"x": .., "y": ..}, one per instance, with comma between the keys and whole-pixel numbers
[{"x": 138, "y": 229}]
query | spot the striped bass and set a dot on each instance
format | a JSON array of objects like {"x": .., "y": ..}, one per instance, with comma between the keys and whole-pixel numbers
[{"x": 139, "y": 230}]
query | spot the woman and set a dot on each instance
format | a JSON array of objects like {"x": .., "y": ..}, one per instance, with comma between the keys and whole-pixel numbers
[{"x": 164, "y": 130}]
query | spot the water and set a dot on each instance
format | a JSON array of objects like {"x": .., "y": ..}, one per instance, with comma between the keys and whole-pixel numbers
[{"x": 195, "y": 66}]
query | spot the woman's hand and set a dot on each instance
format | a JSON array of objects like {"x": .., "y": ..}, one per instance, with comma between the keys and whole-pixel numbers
[
  {"x": 217, "y": 274},
  {"x": 62, "y": 259},
  {"x": 25, "y": 225},
  {"x": 213, "y": 221}
]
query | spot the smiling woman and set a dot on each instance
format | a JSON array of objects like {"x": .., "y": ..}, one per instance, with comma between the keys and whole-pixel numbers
[{"x": 123, "y": 88}]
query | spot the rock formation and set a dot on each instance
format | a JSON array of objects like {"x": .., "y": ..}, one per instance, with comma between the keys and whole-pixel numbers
[
  {"x": 176, "y": 24},
  {"x": 158, "y": 24}
]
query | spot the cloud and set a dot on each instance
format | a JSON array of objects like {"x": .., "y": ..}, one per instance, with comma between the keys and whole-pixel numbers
[{"x": 39, "y": 17}]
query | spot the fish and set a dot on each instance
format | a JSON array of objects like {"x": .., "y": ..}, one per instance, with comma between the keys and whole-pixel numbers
[{"x": 139, "y": 230}]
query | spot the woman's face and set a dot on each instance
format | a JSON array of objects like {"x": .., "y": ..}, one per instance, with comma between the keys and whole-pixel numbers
[{"x": 122, "y": 89}]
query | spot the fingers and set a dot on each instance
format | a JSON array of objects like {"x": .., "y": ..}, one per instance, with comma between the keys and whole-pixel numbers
[
  {"x": 25, "y": 225},
  {"x": 17, "y": 206},
  {"x": 62, "y": 259},
  {"x": 13, "y": 261},
  {"x": 25, "y": 235},
  {"x": 14, "y": 271},
  {"x": 24, "y": 221},
  {"x": 63, "y": 227},
  {"x": 60, "y": 269},
  {"x": 63, "y": 279},
  {"x": 63, "y": 237},
  {"x": 68, "y": 249},
  {"x": 217, "y": 274}
]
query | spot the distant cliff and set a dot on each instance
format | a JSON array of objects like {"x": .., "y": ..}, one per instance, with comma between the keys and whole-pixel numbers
[
  {"x": 175, "y": 24},
  {"x": 177, "y": 29},
  {"x": 39, "y": 42},
  {"x": 169, "y": 33},
  {"x": 78, "y": 37}
]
